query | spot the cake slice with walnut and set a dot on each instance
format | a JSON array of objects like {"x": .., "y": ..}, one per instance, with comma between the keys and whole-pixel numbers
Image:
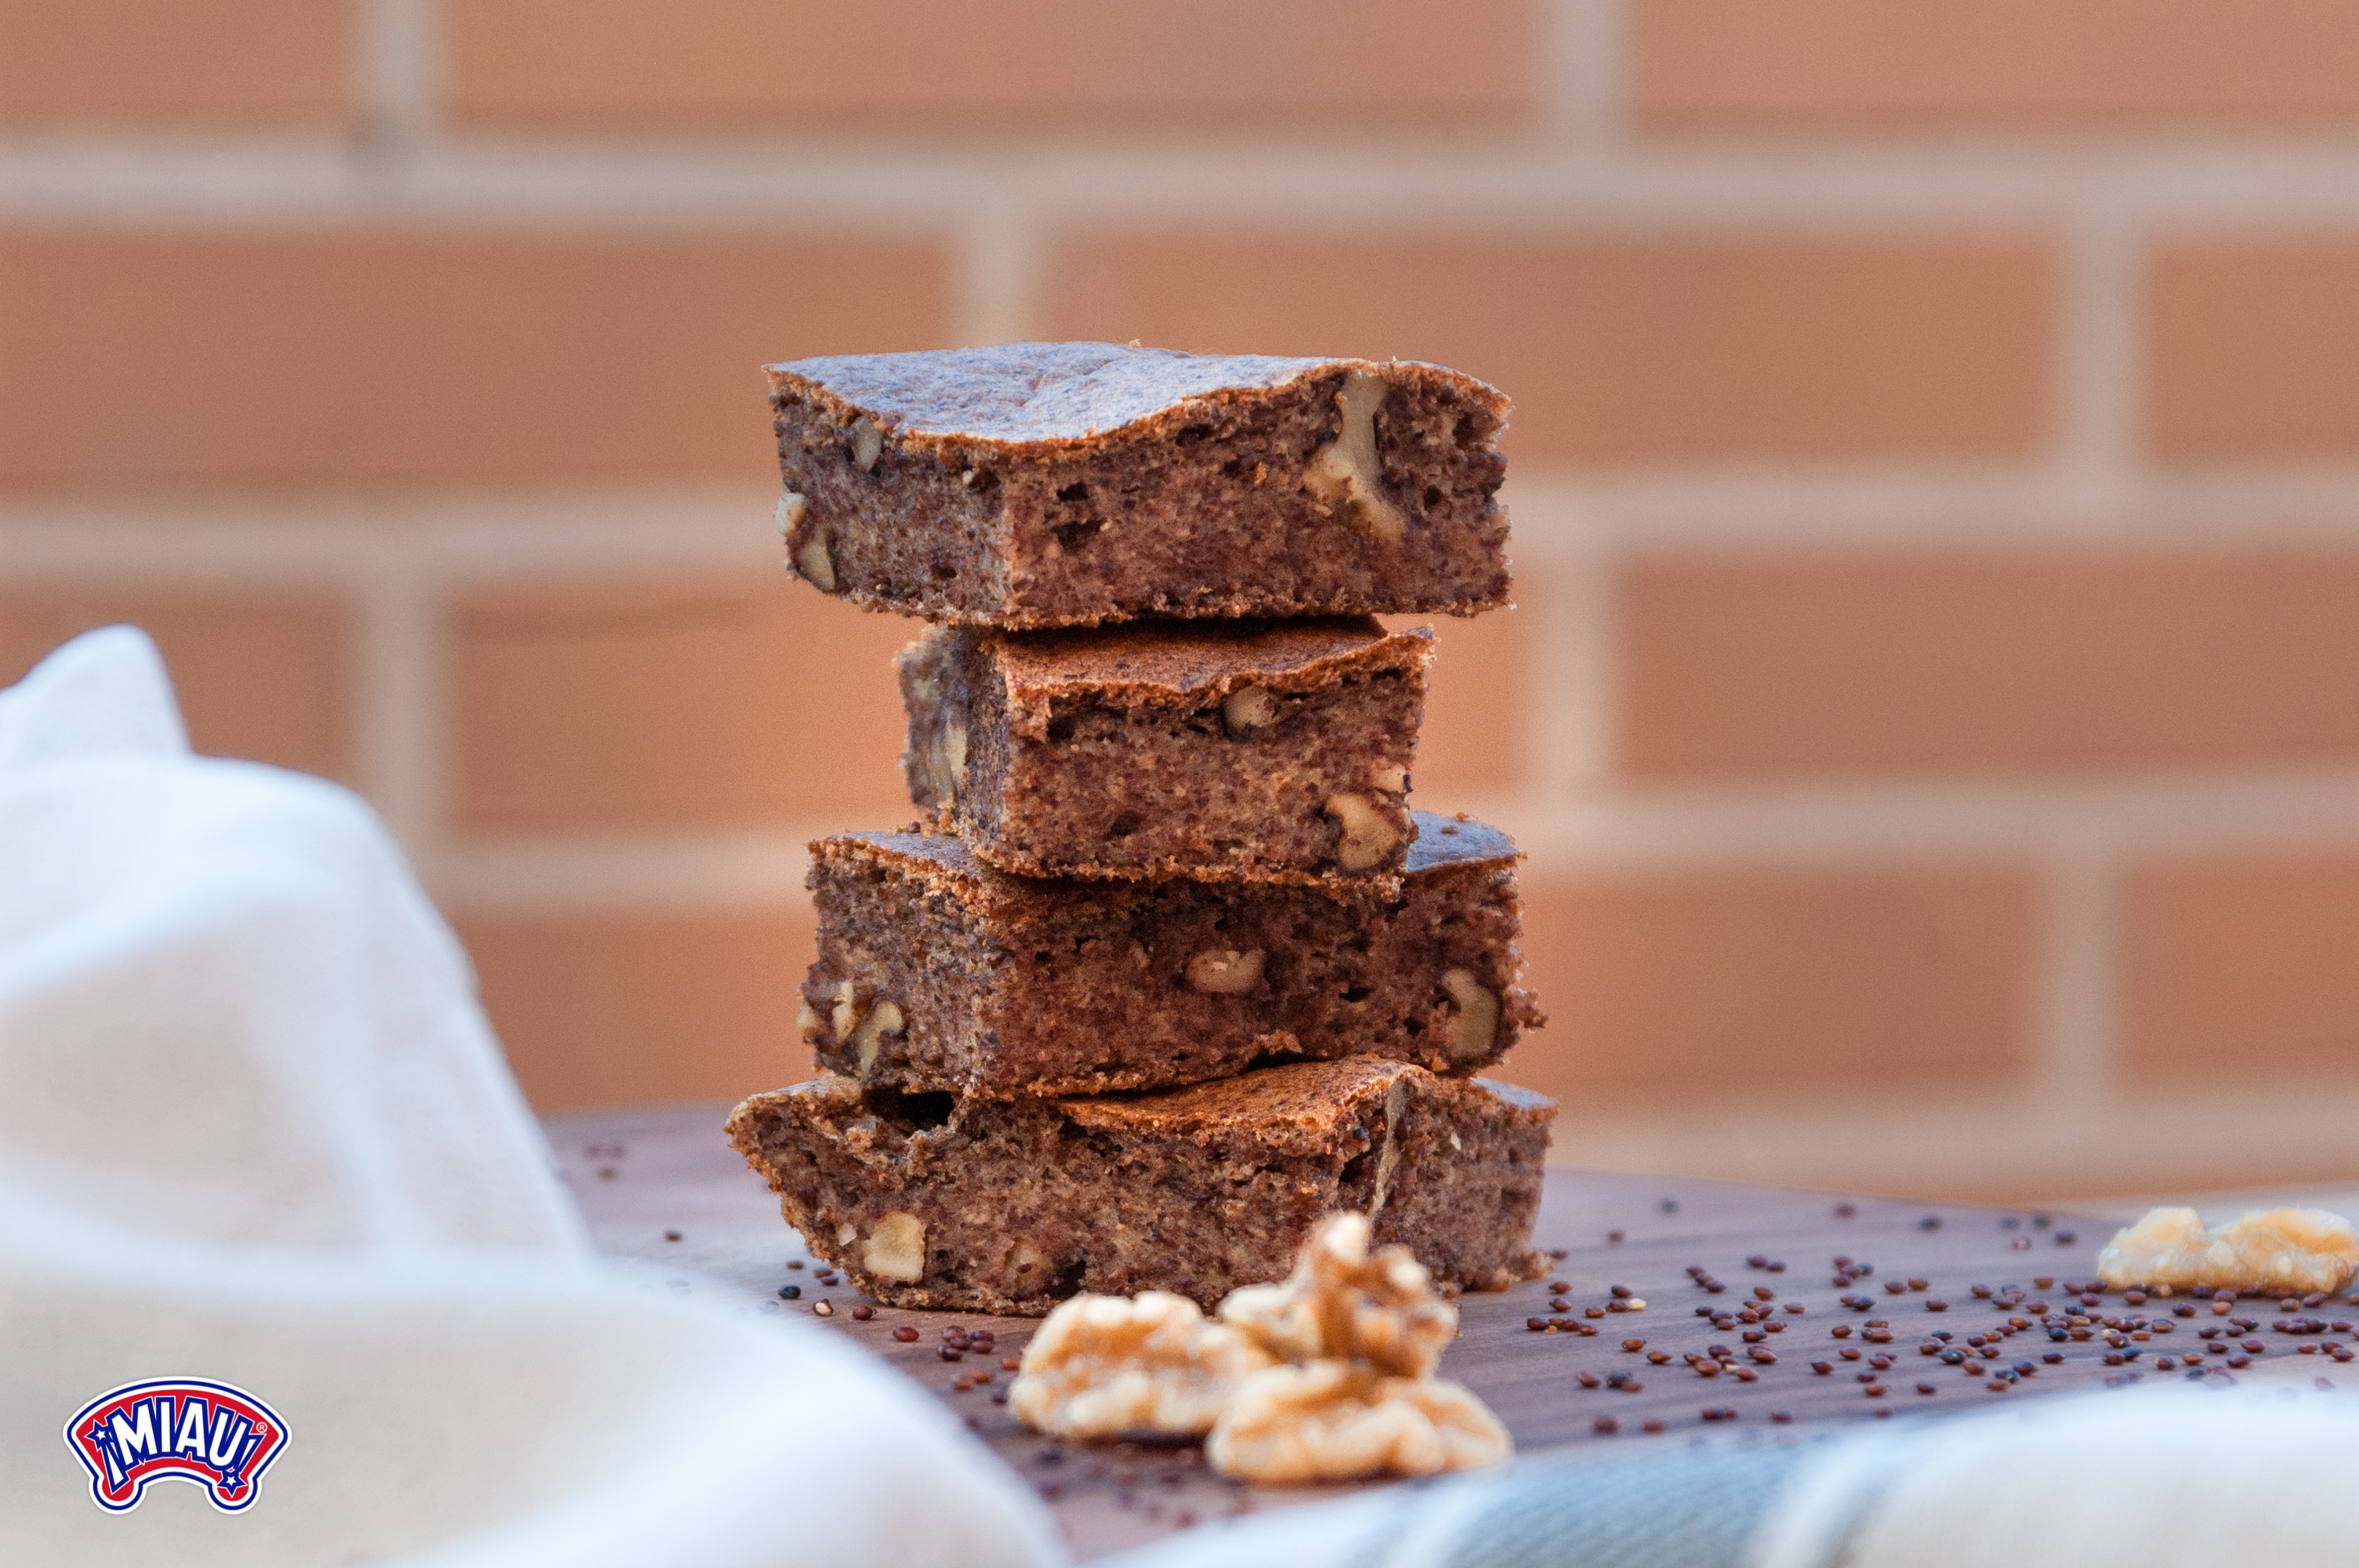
[
  {"x": 1012, "y": 1206},
  {"x": 939, "y": 974},
  {"x": 1230, "y": 750},
  {"x": 1064, "y": 485}
]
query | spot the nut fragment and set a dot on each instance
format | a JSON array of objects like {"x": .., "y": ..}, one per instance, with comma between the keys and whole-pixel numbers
[
  {"x": 817, "y": 567},
  {"x": 1474, "y": 1028},
  {"x": 1391, "y": 778},
  {"x": 897, "y": 1248},
  {"x": 946, "y": 763},
  {"x": 867, "y": 443},
  {"x": 1343, "y": 1300},
  {"x": 1347, "y": 471},
  {"x": 2303, "y": 1250},
  {"x": 1333, "y": 1421},
  {"x": 885, "y": 1018},
  {"x": 790, "y": 510},
  {"x": 1105, "y": 1367},
  {"x": 1229, "y": 973},
  {"x": 1366, "y": 837},
  {"x": 843, "y": 1015},
  {"x": 1246, "y": 710},
  {"x": 1388, "y": 1156}
]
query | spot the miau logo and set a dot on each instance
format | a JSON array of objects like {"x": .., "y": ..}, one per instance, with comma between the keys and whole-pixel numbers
[{"x": 214, "y": 1435}]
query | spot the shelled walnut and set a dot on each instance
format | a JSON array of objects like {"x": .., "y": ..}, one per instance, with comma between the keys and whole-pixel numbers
[
  {"x": 1323, "y": 1377},
  {"x": 1333, "y": 1421},
  {"x": 2301, "y": 1249},
  {"x": 1349, "y": 1301},
  {"x": 1110, "y": 1365}
]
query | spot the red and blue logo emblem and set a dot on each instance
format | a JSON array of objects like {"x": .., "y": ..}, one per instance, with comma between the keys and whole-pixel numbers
[{"x": 214, "y": 1435}]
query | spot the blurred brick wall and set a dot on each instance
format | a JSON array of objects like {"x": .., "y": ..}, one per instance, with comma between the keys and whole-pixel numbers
[{"x": 1933, "y": 709}]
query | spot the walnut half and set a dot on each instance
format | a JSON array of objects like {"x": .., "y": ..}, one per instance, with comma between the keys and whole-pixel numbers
[
  {"x": 1334, "y": 1421},
  {"x": 1347, "y": 1300},
  {"x": 1108, "y": 1365}
]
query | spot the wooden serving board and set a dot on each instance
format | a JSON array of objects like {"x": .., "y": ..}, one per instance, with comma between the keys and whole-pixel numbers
[{"x": 640, "y": 1175}]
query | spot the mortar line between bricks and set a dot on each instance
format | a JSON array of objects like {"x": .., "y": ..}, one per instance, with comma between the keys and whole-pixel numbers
[
  {"x": 1001, "y": 253},
  {"x": 1770, "y": 823},
  {"x": 399, "y": 68},
  {"x": 1555, "y": 518},
  {"x": 760, "y": 868},
  {"x": 2101, "y": 369},
  {"x": 2092, "y": 831},
  {"x": 1882, "y": 508},
  {"x": 1572, "y": 721},
  {"x": 1957, "y": 1141},
  {"x": 1584, "y": 66},
  {"x": 402, "y": 699},
  {"x": 2076, "y": 1027},
  {"x": 1512, "y": 185}
]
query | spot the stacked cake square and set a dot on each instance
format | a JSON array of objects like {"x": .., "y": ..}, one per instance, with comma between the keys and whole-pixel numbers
[{"x": 1170, "y": 970}]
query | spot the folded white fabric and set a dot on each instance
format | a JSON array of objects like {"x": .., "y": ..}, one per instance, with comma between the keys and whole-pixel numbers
[{"x": 255, "y": 1131}]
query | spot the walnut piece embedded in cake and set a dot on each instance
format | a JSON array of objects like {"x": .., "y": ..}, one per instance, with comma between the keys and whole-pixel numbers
[
  {"x": 1348, "y": 1301},
  {"x": 1109, "y": 1367},
  {"x": 1338, "y": 1420},
  {"x": 2301, "y": 1249}
]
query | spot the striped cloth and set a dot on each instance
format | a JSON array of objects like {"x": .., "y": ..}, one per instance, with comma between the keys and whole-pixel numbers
[{"x": 2176, "y": 1476}]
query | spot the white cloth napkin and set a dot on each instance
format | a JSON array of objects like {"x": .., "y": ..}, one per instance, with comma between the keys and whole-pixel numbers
[{"x": 255, "y": 1129}]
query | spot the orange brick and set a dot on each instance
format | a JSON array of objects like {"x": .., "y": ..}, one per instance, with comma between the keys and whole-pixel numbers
[
  {"x": 1978, "y": 664},
  {"x": 633, "y": 1009},
  {"x": 263, "y": 675},
  {"x": 676, "y": 703},
  {"x": 1751, "y": 65},
  {"x": 110, "y": 64},
  {"x": 1626, "y": 351},
  {"x": 1023, "y": 64},
  {"x": 243, "y": 361},
  {"x": 2243, "y": 965},
  {"x": 1688, "y": 989},
  {"x": 2251, "y": 344},
  {"x": 1476, "y": 739}
]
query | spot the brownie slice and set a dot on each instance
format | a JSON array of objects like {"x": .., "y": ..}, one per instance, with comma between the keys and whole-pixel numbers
[
  {"x": 937, "y": 973},
  {"x": 1010, "y": 1206},
  {"x": 1224, "y": 749},
  {"x": 1064, "y": 485}
]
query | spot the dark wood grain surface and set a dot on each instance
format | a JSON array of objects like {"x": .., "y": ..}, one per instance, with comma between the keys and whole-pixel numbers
[{"x": 640, "y": 1175}]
